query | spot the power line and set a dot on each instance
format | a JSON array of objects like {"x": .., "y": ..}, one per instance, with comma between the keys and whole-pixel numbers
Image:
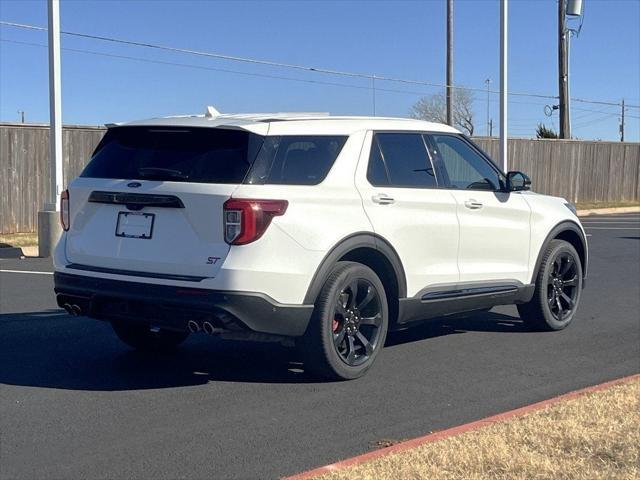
[
  {"x": 270, "y": 63},
  {"x": 215, "y": 69},
  {"x": 593, "y": 122},
  {"x": 199, "y": 67},
  {"x": 369, "y": 76},
  {"x": 238, "y": 72}
]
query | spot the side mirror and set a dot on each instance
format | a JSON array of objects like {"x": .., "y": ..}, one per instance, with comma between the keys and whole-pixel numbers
[{"x": 517, "y": 181}]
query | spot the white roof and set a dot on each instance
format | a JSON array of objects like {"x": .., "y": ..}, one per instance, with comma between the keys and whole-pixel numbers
[{"x": 294, "y": 123}]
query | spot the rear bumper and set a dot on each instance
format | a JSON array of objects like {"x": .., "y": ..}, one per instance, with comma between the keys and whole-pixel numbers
[{"x": 173, "y": 307}]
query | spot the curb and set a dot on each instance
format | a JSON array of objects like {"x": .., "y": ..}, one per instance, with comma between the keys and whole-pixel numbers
[
  {"x": 605, "y": 211},
  {"x": 433, "y": 437}
]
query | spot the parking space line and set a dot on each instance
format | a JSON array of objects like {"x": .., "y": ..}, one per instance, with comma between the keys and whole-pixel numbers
[
  {"x": 611, "y": 228},
  {"x": 26, "y": 271}
]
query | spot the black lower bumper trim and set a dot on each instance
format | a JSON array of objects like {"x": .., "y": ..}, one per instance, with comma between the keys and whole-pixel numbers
[
  {"x": 172, "y": 307},
  {"x": 117, "y": 271}
]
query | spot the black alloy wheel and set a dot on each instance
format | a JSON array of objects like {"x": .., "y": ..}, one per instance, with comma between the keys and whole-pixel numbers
[
  {"x": 558, "y": 286},
  {"x": 349, "y": 324},
  {"x": 356, "y": 322},
  {"x": 562, "y": 285}
]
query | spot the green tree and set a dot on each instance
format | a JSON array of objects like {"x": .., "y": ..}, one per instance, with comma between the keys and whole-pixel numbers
[{"x": 543, "y": 132}]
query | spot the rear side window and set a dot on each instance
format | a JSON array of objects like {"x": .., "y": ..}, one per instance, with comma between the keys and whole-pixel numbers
[
  {"x": 400, "y": 160},
  {"x": 204, "y": 155},
  {"x": 295, "y": 159}
]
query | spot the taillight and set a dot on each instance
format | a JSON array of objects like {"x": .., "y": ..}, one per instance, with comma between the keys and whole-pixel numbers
[
  {"x": 245, "y": 220},
  {"x": 64, "y": 210}
]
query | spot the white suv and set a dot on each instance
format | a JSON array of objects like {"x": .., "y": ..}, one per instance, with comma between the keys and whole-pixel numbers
[{"x": 321, "y": 231}]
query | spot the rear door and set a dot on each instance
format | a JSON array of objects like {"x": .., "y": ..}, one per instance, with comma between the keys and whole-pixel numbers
[
  {"x": 151, "y": 200},
  {"x": 399, "y": 189},
  {"x": 494, "y": 225}
]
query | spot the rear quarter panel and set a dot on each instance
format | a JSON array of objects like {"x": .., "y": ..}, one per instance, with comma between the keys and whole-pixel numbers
[{"x": 318, "y": 217}]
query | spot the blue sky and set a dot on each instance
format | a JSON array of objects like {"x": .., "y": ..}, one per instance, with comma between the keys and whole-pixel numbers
[{"x": 399, "y": 39}]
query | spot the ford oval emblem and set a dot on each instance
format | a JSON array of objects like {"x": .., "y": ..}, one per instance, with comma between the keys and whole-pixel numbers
[{"x": 134, "y": 184}]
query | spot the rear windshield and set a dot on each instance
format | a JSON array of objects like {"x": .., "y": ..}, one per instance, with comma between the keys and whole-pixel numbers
[
  {"x": 204, "y": 155},
  {"x": 213, "y": 155}
]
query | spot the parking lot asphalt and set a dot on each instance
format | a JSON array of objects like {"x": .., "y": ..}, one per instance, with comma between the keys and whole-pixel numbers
[{"x": 75, "y": 403}]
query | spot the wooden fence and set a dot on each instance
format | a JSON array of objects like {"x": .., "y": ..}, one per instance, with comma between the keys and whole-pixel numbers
[
  {"x": 24, "y": 169},
  {"x": 581, "y": 171}
]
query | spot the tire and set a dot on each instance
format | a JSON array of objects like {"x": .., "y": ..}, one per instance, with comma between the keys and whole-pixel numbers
[
  {"x": 141, "y": 337},
  {"x": 558, "y": 289},
  {"x": 348, "y": 328}
]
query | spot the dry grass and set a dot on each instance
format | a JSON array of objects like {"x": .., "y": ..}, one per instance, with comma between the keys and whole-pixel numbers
[
  {"x": 591, "y": 205},
  {"x": 594, "y": 436},
  {"x": 18, "y": 240}
]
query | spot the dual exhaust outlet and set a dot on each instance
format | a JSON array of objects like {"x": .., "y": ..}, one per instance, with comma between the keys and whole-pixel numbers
[
  {"x": 207, "y": 327},
  {"x": 73, "y": 310}
]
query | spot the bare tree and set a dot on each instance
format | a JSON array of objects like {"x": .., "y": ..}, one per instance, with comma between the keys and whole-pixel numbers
[{"x": 434, "y": 109}]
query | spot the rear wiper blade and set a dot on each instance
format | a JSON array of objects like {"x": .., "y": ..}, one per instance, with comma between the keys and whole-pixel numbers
[{"x": 161, "y": 172}]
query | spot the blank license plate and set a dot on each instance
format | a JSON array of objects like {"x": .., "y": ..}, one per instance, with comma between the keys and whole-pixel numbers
[{"x": 135, "y": 225}]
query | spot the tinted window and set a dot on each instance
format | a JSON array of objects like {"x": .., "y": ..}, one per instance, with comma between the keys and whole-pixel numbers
[
  {"x": 465, "y": 167},
  {"x": 204, "y": 155},
  {"x": 296, "y": 160},
  {"x": 377, "y": 172},
  {"x": 406, "y": 159}
]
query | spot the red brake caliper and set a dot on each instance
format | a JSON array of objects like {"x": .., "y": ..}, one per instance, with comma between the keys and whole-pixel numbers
[{"x": 335, "y": 325}]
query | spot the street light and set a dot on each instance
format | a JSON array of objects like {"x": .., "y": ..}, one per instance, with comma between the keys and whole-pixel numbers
[{"x": 574, "y": 8}]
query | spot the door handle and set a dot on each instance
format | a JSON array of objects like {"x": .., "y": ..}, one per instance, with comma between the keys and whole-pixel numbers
[
  {"x": 383, "y": 199},
  {"x": 473, "y": 204}
]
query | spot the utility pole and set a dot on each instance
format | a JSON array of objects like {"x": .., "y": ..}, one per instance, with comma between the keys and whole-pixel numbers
[
  {"x": 504, "y": 30},
  {"x": 488, "y": 81},
  {"x": 622, "y": 123},
  {"x": 563, "y": 74},
  {"x": 491, "y": 127},
  {"x": 449, "y": 62}
]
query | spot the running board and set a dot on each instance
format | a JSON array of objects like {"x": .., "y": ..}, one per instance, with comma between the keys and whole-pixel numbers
[
  {"x": 467, "y": 292},
  {"x": 440, "y": 303}
]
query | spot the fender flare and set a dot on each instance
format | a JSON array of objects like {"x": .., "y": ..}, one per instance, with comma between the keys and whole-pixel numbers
[
  {"x": 348, "y": 244},
  {"x": 566, "y": 225}
]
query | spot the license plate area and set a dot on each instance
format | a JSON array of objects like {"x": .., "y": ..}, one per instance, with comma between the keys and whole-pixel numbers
[{"x": 135, "y": 225}]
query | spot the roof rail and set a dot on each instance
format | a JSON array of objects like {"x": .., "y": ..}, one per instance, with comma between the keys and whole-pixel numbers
[{"x": 212, "y": 112}]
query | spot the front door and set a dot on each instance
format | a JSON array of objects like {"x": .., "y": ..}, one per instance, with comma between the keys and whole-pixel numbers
[{"x": 494, "y": 224}]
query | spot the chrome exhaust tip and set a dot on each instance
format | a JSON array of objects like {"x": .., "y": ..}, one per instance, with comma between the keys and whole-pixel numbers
[
  {"x": 193, "y": 326},
  {"x": 67, "y": 308},
  {"x": 76, "y": 311},
  {"x": 208, "y": 328}
]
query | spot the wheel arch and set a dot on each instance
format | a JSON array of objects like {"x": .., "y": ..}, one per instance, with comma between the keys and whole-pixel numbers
[
  {"x": 568, "y": 231},
  {"x": 373, "y": 251}
]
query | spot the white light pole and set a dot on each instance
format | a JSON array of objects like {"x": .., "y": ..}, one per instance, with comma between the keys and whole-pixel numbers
[
  {"x": 48, "y": 224},
  {"x": 55, "y": 113},
  {"x": 503, "y": 83}
]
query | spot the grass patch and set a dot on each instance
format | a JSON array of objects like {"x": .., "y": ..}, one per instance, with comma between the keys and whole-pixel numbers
[
  {"x": 18, "y": 240},
  {"x": 590, "y": 205},
  {"x": 593, "y": 436}
]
